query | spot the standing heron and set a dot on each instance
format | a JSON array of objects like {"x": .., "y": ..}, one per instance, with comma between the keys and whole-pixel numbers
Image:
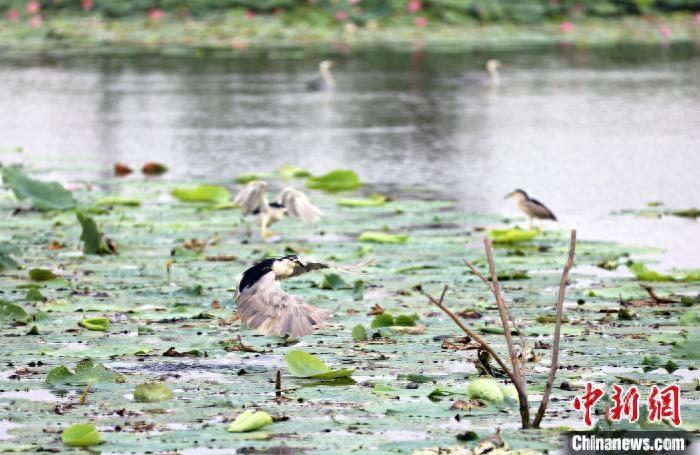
[
  {"x": 531, "y": 206},
  {"x": 323, "y": 82},
  {"x": 264, "y": 306},
  {"x": 253, "y": 201}
]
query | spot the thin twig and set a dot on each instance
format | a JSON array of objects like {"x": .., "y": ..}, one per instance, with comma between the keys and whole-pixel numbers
[
  {"x": 484, "y": 345},
  {"x": 476, "y": 272},
  {"x": 523, "y": 346},
  {"x": 83, "y": 397},
  {"x": 278, "y": 384},
  {"x": 502, "y": 310},
  {"x": 557, "y": 332}
]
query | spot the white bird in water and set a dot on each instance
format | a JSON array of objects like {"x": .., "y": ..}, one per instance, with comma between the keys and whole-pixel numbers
[
  {"x": 531, "y": 206},
  {"x": 325, "y": 81},
  {"x": 494, "y": 77},
  {"x": 492, "y": 68},
  {"x": 264, "y": 306},
  {"x": 252, "y": 199}
]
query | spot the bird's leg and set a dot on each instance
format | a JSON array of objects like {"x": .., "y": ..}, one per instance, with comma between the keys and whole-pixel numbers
[
  {"x": 264, "y": 223},
  {"x": 248, "y": 230}
]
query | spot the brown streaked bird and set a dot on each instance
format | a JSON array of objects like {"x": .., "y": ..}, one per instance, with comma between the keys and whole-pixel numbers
[
  {"x": 252, "y": 199},
  {"x": 531, "y": 206},
  {"x": 264, "y": 306}
]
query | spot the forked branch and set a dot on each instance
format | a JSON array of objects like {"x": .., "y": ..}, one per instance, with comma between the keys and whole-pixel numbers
[{"x": 515, "y": 373}]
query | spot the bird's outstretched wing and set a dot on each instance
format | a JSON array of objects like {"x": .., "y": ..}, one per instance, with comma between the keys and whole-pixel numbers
[
  {"x": 298, "y": 205},
  {"x": 267, "y": 308},
  {"x": 252, "y": 197}
]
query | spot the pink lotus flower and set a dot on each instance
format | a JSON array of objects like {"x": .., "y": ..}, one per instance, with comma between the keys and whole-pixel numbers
[
  {"x": 566, "y": 27},
  {"x": 33, "y": 7},
  {"x": 697, "y": 16},
  {"x": 249, "y": 14},
  {"x": 87, "y": 5},
  {"x": 414, "y": 6},
  {"x": 421, "y": 21},
  {"x": 12, "y": 15},
  {"x": 341, "y": 15},
  {"x": 665, "y": 31},
  {"x": 355, "y": 2},
  {"x": 156, "y": 14},
  {"x": 35, "y": 21}
]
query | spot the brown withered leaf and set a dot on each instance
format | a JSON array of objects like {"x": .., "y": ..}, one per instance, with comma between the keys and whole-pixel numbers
[
  {"x": 376, "y": 309},
  {"x": 197, "y": 245},
  {"x": 153, "y": 168},
  {"x": 539, "y": 344},
  {"x": 469, "y": 314},
  {"x": 122, "y": 170},
  {"x": 460, "y": 344},
  {"x": 54, "y": 245},
  {"x": 467, "y": 405},
  {"x": 221, "y": 258}
]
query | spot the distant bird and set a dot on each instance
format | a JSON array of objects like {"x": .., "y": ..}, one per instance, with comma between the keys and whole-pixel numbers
[
  {"x": 494, "y": 78},
  {"x": 492, "y": 68},
  {"x": 253, "y": 200},
  {"x": 530, "y": 206},
  {"x": 264, "y": 306},
  {"x": 323, "y": 82}
]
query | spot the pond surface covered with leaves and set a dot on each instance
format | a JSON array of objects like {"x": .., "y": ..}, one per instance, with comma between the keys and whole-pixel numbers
[{"x": 161, "y": 311}]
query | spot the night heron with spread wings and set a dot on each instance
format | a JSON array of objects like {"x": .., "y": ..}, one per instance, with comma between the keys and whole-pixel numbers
[
  {"x": 531, "y": 206},
  {"x": 264, "y": 306},
  {"x": 253, "y": 201},
  {"x": 325, "y": 79}
]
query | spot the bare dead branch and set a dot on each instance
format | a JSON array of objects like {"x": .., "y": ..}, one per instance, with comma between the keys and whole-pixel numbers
[
  {"x": 557, "y": 331},
  {"x": 476, "y": 272},
  {"x": 502, "y": 310}
]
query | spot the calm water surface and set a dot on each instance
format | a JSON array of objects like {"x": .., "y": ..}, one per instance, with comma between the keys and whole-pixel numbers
[{"x": 586, "y": 131}]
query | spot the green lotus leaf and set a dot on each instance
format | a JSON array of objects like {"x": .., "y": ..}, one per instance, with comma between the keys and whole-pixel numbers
[
  {"x": 81, "y": 435},
  {"x": 152, "y": 392},
  {"x": 250, "y": 421},
  {"x": 202, "y": 193},
  {"x": 382, "y": 237},
  {"x": 338, "y": 180},
  {"x": 43, "y": 195},
  {"x": 98, "y": 324}
]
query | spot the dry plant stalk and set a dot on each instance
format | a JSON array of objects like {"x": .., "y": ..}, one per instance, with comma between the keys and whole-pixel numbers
[{"x": 516, "y": 371}]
